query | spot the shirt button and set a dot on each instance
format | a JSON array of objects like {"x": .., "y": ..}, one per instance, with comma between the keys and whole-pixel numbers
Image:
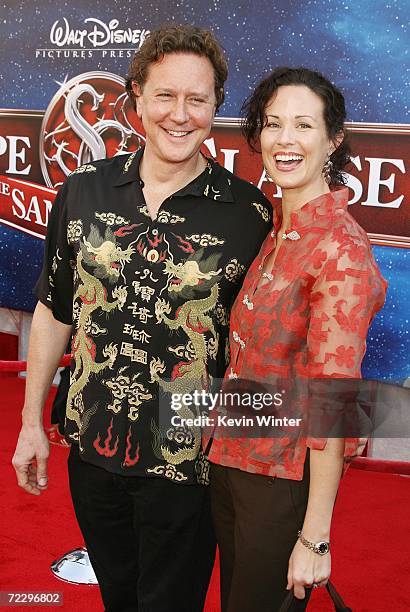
[
  {"x": 238, "y": 339},
  {"x": 232, "y": 374},
  {"x": 247, "y": 302}
]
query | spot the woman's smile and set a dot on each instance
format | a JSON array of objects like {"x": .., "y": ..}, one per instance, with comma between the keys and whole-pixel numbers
[{"x": 287, "y": 161}]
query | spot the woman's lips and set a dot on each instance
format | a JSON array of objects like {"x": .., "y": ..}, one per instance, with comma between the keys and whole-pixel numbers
[{"x": 287, "y": 166}]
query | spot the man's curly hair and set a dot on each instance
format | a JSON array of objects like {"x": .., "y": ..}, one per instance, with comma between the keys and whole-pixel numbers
[{"x": 178, "y": 39}]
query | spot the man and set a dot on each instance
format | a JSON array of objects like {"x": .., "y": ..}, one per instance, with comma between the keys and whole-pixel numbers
[{"x": 144, "y": 257}]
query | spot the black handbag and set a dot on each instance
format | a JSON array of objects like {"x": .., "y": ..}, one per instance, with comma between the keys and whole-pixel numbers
[{"x": 292, "y": 604}]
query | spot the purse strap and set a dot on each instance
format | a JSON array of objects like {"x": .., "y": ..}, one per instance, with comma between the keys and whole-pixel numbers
[
  {"x": 287, "y": 603},
  {"x": 338, "y": 602}
]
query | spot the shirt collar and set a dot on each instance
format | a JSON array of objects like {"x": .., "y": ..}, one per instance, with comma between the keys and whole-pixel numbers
[
  {"x": 320, "y": 210},
  {"x": 130, "y": 169},
  {"x": 213, "y": 183}
]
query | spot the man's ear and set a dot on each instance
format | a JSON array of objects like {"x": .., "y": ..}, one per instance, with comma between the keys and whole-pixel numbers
[{"x": 136, "y": 88}]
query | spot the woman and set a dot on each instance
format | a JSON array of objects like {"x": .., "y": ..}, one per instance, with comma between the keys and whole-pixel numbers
[{"x": 303, "y": 311}]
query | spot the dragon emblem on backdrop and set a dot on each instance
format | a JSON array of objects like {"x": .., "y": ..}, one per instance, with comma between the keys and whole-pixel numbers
[{"x": 90, "y": 117}]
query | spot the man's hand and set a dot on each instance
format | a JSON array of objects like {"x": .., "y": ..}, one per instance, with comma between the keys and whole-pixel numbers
[
  {"x": 30, "y": 459},
  {"x": 307, "y": 568},
  {"x": 32, "y": 450}
]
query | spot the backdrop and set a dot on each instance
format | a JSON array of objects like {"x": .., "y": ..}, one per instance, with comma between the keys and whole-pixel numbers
[{"x": 63, "y": 104}]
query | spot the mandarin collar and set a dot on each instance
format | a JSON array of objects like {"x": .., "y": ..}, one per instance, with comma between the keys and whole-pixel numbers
[
  {"x": 212, "y": 183},
  {"x": 319, "y": 210}
]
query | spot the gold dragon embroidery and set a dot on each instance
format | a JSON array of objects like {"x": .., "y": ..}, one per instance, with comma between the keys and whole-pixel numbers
[
  {"x": 106, "y": 260},
  {"x": 193, "y": 318}
]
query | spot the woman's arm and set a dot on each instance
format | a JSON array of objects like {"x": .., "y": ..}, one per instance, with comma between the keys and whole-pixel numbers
[
  {"x": 344, "y": 298},
  {"x": 305, "y": 566}
]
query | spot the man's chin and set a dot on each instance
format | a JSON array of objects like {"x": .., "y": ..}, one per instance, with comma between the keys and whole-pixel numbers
[{"x": 181, "y": 156}]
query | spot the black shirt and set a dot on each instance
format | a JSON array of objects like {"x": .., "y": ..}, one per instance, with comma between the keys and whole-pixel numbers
[{"x": 149, "y": 301}]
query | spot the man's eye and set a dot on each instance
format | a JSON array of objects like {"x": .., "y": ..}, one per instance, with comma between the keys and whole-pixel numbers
[{"x": 164, "y": 95}]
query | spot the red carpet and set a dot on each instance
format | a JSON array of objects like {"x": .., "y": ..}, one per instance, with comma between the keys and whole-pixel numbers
[{"x": 370, "y": 545}]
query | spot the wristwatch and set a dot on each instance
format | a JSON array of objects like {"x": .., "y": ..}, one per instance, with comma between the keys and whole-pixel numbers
[{"x": 320, "y": 548}]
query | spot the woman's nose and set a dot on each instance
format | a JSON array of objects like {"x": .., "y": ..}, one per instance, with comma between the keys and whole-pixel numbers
[{"x": 287, "y": 135}]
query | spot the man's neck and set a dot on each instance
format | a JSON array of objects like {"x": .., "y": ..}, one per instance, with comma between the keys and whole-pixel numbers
[{"x": 161, "y": 175}]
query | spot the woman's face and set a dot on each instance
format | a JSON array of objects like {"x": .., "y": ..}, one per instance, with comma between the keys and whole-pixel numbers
[{"x": 294, "y": 141}]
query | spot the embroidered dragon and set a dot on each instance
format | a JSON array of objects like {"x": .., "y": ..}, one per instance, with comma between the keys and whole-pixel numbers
[
  {"x": 106, "y": 259},
  {"x": 186, "y": 280}
]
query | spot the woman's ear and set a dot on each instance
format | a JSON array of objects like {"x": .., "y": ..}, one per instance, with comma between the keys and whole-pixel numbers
[{"x": 337, "y": 141}]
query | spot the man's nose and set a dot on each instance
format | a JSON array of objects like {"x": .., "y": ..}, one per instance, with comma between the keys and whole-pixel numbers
[{"x": 179, "y": 112}]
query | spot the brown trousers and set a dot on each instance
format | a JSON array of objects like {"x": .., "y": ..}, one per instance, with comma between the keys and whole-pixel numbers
[{"x": 256, "y": 520}]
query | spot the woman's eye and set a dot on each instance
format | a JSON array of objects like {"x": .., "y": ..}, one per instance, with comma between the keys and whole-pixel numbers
[
  {"x": 272, "y": 124},
  {"x": 304, "y": 125}
]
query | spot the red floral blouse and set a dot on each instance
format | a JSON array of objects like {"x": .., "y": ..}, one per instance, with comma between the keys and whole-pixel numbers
[{"x": 308, "y": 318}]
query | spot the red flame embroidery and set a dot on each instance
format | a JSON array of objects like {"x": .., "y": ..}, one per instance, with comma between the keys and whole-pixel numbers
[
  {"x": 128, "y": 461},
  {"x": 105, "y": 450}
]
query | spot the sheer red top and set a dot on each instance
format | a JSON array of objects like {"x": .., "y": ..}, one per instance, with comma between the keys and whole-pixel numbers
[{"x": 308, "y": 317}]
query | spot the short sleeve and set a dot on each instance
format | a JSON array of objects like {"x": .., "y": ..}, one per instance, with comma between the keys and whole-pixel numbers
[
  {"x": 54, "y": 287},
  {"x": 344, "y": 299}
]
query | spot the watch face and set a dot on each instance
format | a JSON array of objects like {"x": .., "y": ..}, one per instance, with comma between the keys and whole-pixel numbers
[{"x": 323, "y": 548}]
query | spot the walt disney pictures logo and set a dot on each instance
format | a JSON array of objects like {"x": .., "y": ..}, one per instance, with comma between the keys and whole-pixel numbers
[{"x": 108, "y": 39}]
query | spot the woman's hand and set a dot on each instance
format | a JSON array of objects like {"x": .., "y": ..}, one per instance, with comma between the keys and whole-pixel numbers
[{"x": 307, "y": 568}]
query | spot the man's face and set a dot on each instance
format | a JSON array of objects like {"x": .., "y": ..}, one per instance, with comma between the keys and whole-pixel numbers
[{"x": 177, "y": 106}]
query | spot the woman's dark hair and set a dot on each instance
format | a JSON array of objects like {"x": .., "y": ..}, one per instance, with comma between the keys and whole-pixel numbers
[
  {"x": 178, "y": 39},
  {"x": 254, "y": 118}
]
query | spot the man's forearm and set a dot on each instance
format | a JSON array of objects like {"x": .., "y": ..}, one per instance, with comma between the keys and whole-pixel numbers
[
  {"x": 325, "y": 471},
  {"x": 48, "y": 339}
]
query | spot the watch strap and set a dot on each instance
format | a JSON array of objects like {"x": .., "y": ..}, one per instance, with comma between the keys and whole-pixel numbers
[{"x": 320, "y": 548}]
